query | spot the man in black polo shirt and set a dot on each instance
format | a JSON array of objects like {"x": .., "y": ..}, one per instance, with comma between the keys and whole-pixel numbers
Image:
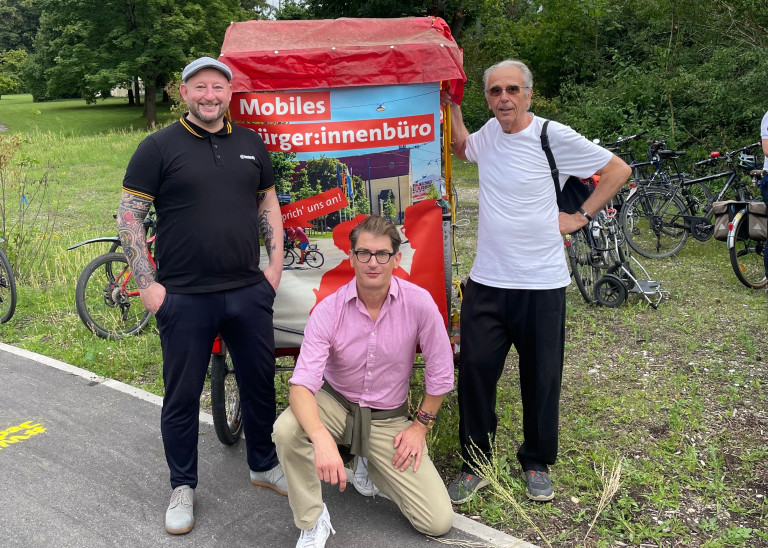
[{"x": 212, "y": 186}]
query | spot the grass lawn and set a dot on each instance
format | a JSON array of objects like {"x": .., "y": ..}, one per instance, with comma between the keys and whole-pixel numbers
[
  {"x": 676, "y": 396},
  {"x": 73, "y": 117}
]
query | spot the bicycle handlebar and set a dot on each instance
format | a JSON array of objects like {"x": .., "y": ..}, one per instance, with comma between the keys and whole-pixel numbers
[{"x": 623, "y": 140}]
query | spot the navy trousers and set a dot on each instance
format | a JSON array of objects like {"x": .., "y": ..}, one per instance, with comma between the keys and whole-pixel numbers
[
  {"x": 492, "y": 320},
  {"x": 188, "y": 324}
]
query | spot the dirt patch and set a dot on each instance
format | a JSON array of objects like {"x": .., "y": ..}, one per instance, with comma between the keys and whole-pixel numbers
[{"x": 3, "y": 128}]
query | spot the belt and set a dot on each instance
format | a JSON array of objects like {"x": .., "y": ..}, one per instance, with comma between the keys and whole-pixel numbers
[{"x": 357, "y": 429}]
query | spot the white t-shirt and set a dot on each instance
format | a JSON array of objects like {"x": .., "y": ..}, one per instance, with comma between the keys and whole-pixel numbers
[
  {"x": 764, "y": 135},
  {"x": 519, "y": 245}
]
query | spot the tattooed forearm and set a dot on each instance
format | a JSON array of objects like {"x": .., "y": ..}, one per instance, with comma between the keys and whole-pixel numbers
[
  {"x": 267, "y": 233},
  {"x": 271, "y": 226},
  {"x": 130, "y": 215}
]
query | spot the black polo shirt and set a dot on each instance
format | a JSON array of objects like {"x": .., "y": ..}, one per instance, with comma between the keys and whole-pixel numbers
[{"x": 205, "y": 188}]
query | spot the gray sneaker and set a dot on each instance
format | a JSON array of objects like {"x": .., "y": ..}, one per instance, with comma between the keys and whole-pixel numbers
[
  {"x": 464, "y": 487},
  {"x": 180, "y": 516},
  {"x": 274, "y": 479},
  {"x": 316, "y": 537},
  {"x": 538, "y": 486}
]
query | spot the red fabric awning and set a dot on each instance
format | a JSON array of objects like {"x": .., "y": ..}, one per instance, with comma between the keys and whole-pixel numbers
[{"x": 288, "y": 55}]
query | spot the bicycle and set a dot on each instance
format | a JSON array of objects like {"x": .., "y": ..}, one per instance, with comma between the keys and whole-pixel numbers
[
  {"x": 657, "y": 218},
  {"x": 312, "y": 257},
  {"x": 745, "y": 252},
  {"x": 7, "y": 288},
  {"x": 106, "y": 290}
]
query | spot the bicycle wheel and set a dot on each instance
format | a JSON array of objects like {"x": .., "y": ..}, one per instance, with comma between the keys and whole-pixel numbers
[
  {"x": 225, "y": 399},
  {"x": 104, "y": 306},
  {"x": 288, "y": 257},
  {"x": 314, "y": 259},
  {"x": 7, "y": 289},
  {"x": 653, "y": 223},
  {"x": 582, "y": 269},
  {"x": 746, "y": 254}
]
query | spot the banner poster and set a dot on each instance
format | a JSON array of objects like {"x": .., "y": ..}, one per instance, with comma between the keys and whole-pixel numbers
[{"x": 342, "y": 154}]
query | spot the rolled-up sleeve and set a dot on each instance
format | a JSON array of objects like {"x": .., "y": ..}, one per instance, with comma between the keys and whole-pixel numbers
[{"x": 436, "y": 349}]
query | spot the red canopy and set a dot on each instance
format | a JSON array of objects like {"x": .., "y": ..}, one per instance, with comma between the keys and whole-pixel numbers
[{"x": 288, "y": 55}]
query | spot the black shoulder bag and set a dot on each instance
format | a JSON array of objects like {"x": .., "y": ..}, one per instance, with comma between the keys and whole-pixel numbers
[{"x": 574, "y": 192}]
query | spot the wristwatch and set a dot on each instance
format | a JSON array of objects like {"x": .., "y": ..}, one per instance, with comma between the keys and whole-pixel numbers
[
  {"x": 425, "y": 418},
  {"x": 429, "y": 423}
]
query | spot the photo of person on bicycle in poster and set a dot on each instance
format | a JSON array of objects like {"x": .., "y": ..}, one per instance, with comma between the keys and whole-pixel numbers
[
  {"x": 297, "y": 234},
  {"x": 208, "y": 180}
]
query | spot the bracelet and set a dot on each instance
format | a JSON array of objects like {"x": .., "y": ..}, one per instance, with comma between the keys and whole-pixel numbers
[
  {"x": 587, "y": 215},
  {"x": 423, "y": 414}
]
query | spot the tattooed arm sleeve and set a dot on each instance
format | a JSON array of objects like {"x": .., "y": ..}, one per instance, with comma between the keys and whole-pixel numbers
[
  {"x": 271, "y": 225},
  {"x": 130, "y": 215}
]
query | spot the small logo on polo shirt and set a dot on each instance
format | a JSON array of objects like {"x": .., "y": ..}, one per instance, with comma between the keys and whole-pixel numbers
[{"x": 246, "y": 157}]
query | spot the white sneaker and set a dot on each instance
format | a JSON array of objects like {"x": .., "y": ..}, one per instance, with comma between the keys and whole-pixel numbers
[
  {"x": 361, "y": 478},
  {"x": 180, "y": 516},
  {"x": 316, "y": 537}
]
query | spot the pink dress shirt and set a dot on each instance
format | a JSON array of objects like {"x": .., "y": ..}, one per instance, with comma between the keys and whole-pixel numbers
[{"x": 369, "y": 362}]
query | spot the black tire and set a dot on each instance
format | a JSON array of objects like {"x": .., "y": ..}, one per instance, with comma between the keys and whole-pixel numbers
[
  {"x": 580, "y": 257},
  {"x": 746, "y": 254},
  {"x": 314, "y": 259},
  {"x": 288, "y": 257},
  {"x": 225, "y": 399},
  {"x": 653, "y": 223},
  {"x": 7, "y": 289},
  {"x": 610, "y": 291},
  {"x": 102, "y": 305}
]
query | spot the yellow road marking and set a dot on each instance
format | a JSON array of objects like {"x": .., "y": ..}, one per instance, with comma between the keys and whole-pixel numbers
[{"x": 22, "y": 432}]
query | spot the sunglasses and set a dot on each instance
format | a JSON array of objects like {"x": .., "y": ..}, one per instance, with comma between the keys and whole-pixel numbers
[{"x": 495, "y": 91}]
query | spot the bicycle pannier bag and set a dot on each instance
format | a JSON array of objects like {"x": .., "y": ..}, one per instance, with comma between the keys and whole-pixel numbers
[
  {"x": 758, "y": 221},
  {"x": 724, "y": 213}
]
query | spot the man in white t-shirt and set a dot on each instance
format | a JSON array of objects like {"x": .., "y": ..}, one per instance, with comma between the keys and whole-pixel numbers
[
  {"x": 764, "y": 182},
  {"x": 516, "y": 289}
]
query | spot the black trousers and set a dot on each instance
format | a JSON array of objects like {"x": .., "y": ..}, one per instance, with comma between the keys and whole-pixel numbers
[
  {"x": 188, "y": 324},
  {"x": 492, "y": 320}
]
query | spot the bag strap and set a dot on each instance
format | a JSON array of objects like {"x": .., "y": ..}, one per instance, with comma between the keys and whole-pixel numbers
[{"x": 551, "y": 160}]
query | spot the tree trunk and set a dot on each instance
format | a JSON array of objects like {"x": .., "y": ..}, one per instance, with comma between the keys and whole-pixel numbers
[
  {"x": 137, "y": 91},
  {"x": 131, "y": 102},
  {"x": 150, "y": 104}
]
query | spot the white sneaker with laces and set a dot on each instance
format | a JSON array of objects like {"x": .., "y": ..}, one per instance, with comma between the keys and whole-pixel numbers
[
  {"x": 316, "y": 537},
  {"x": 361, "y": 478}
]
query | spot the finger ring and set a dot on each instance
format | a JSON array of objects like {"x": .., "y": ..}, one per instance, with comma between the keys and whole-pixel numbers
[{"x": 413, "y": 455}]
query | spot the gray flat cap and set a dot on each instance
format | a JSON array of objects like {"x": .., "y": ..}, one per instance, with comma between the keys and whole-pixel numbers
[{"x": 205, "y": 62}]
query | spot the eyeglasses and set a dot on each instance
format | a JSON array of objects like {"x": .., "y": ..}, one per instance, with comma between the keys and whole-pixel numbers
[
  {"x": 495, "y": 91},
  {"x": 382, "y": 257}
]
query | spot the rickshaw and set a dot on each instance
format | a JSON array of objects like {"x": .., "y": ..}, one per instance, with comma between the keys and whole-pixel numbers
[{"x": 364, "y": 93}]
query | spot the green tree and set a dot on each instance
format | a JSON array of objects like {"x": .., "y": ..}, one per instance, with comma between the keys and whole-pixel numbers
[
  {"x": 322, "y": 172},
  {"x": 457, "y": 13},
  {"x": 389, "y": 211},
  {"x": 433, "y": 193},
  {"x": 89, "y": 46},
  {"x": 284, "y": 167},
  {"x": 19, "y": 20},
  {"x": 11, "y": 67}
]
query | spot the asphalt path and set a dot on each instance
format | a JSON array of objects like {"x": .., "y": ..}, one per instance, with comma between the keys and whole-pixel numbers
[{"x": 82, "y": 465}]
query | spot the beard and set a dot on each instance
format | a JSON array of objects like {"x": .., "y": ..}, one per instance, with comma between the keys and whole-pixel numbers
[{"x": 194, "y": 109}]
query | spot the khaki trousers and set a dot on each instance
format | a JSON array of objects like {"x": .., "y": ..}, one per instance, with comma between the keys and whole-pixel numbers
[{"x": 421, "y": 496}]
